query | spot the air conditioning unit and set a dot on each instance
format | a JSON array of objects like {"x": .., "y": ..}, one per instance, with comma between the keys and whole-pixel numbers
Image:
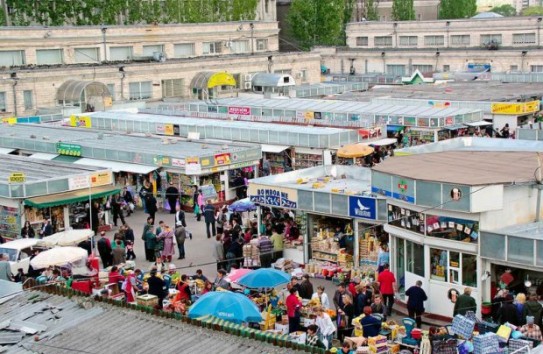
[
  {"x": 159, "y": 57},
  {"x": 248, "y": 77},
  {"x": 247, "y": 85}
]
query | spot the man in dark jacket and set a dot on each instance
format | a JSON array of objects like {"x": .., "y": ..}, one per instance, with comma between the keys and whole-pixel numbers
[
  {"x": 532, "y": 307},
  {"x": 464, "y": 303},
  {"x": 209, "y": 218},
  {"x": 104, "y": 249},
  {"x": 306, "y": 288},
  {"x": 116, "y": 209},
  {"x": 415, "y": 303},
  {"x": 172, "y": 193},
  {"x": 156, "y": 287},
  {"x": 151, "y": 205}
]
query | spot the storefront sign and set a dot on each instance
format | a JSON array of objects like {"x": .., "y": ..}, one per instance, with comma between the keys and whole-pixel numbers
[
  {"x": 101, "y": 179},
  {"x": 160, "y": 129},
  {"x": 178, "y": 163},
  {"x": 205, "y": 162},
  {"x": 449, "y": 121},
  {"x": 78, "y": 182},
  {"x": 168, "y": 129},
  {"x": 244, "y": 111},
  {"x": 279, "y": 197},
  {"x": 308, "y": 115},
  {"x": 68, "y": 149},
  {"x": 222, "y": 159},
  {"x": 17, "y": 177},
  {"x": 80, "y": 121},
  {"x": 362, "y": 207},
  {"x": 192, "y": 166},
  {"x": 160, "y": 160},
  {"x": 514, "y": 108},
  {"x": 9, "y": 120}
]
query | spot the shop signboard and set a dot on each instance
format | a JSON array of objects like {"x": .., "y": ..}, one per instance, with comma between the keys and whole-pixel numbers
[
  {"x": 17, "y": 177},
  {"x": 514, "y": 107},
  {"x": 403, "y": 189},
  {"x": 243, "y": 111},
  {"x": 168, "y": 129},
  {"x": 208, "y": 191},
  {"x": 222, "y": 159},
  {"x": 178, "y": 163},
  {"x": 160, "y": 129},
  {"x": 410, "y": 121},
  {"x": 68, "y": 149},
  {"x": 273, "y": 196},
  {"x": 100, "y": 178},
  {"x": 78, "y": 182},
  {"x": 192, "y": 166},
  {"x": 9, "y": 120},
  {"x": 362, "y": 207},
  {"x": 80, "y": 121}
]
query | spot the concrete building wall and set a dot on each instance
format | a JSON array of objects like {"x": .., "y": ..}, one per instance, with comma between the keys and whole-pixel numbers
[
  {"x": 42, "y": 83},
  {"x": 228, "y": 38},
  {"x": 514, "y": 32}
]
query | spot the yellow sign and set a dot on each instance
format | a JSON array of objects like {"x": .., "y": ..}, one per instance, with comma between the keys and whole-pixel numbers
[
  {"x": 221, "y": 79},
  {"x": 309, "y": 115},
  {"x": 205, "y": 162},
  {"x": 101, "y": 178},
  {"x": 9, "y": 120},
  {"x": 17, "y": 177},
  {"x": 80, "y": 121},
  {"x": 108, "y": 101},
  {"x": 515, "y": 107},
  {"x": 168, "y": 129}
]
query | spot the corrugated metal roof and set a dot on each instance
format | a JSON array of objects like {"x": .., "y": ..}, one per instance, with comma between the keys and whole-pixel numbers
[
  {"x": 345, "y": 107},
  {"x": 107, "y": 329},
  {"x": 117, "y": 142}
]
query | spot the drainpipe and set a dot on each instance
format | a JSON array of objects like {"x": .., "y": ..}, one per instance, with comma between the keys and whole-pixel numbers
[{"x": 15, "y": 82}]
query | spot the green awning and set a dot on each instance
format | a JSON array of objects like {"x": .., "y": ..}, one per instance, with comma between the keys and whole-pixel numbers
[
  {"x": 80, "y": 195},
  {"x": 66, "y": 158}
]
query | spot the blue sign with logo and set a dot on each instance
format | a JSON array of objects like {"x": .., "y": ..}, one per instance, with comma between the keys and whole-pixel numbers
[{"x": 362, "y": 207}]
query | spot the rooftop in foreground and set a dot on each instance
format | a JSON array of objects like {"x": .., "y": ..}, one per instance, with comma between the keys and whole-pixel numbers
[{"x": 470, "y": 168}]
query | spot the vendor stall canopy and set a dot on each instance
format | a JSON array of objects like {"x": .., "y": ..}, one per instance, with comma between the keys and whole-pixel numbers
[
  {"x": 41, "y": 177},
  {"x": 75, "y": 93},
  {"x": 263, "y": 133},
  {"x": 208, "y": 80}
]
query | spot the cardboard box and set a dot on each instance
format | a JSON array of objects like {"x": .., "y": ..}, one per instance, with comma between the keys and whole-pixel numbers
[
  {"x": 147, "y": 300},
  {"x": 281, "y": 328}
]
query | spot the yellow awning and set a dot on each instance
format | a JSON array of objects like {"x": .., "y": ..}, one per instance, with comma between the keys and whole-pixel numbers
[
  {"x": 221, "y": 79},
  {"x": 354, "y": 150}
]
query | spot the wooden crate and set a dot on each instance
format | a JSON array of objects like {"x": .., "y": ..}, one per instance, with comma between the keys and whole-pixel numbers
[{"x": 147, "y": 300}]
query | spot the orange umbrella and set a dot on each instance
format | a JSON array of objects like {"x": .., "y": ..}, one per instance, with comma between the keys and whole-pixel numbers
[{"x": 354, "y": 150}]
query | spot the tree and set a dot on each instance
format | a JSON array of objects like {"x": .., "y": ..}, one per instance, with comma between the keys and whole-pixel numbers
[
  {"x": 451, "y": 9},
  {"x": 532, "y": 11},
  {"x": 370, "y": 10},
  {"x": 403, "y": 10},
  {"x": 504, "y": 10},
  {"x": 317, "y": 22}
]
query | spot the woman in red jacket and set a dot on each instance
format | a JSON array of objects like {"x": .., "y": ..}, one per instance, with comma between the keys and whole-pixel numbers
[{"x": 293, "y": 310}]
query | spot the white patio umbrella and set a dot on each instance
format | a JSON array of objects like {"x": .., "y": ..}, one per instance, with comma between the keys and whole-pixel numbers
[
  {"x": 67, "y": 238},
  {"x": 58, "y": 256}
]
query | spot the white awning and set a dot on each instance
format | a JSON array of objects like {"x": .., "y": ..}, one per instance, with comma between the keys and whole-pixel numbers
[
  {"x": 309, "y": 151},
  {"x": 274, "y": 148},
  {"x": 479, "y": 123},
  {"x": 116, "y": 166},
  {"x": 383, "y": 142},
  {"x": 6, "y": 151},
  {"x": 43, "y": 156}
]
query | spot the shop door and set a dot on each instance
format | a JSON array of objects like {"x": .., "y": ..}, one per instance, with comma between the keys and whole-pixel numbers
[
  {"x": 400, "y": 265},
  {"x": 414, "y": 266}
]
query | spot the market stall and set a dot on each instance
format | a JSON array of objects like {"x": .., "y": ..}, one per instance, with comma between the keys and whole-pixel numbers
[
  {"x": 336, "y": 215},
  {"x": 354, "y": 155},
  {"x": 28, "y": 193}
]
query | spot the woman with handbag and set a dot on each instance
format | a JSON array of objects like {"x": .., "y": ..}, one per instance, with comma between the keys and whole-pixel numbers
[
  {"x": 345, "y": 315},
  {"x": 326, "y": 326}
]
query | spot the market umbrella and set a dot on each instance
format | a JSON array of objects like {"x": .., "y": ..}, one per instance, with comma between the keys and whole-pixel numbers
[
  {"x": 226, "y": 305},
  {"x": 242, "y": 205},
  {"x": 58, "y": 256},
  {"x": 354, "y": 150},
  {"x": 264, "y": 278},
  {"x": 67, "y": 238},
  {"x": 235, "y": 274}
]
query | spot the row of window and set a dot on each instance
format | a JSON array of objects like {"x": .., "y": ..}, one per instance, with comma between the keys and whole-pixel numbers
[
  {"x": 92, "y": 54},
  {"x": 28, "y": 100},
  {"x": 439, "y": 40}
]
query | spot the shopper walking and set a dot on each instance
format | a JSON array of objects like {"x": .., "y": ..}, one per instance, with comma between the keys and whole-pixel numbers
[
  {"x": 387, "y": 286},
  {"x": 172, "y": 194},
  {"x": 180, "y": 237},
  {"x": 465, "y": 303},
  {"x": 149, "y": 238},
  {"x": 415, "y": 303},
  {"x": 151, "y": 205},
  {"x": 209, "y": 218},
  {"x": 116, "y": 209},
  {"x": 167, "y": 237}
]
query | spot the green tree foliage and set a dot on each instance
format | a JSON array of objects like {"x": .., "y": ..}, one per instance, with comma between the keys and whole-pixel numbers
[
  {"x": 533, "y": 11},
  {"x": 403, "y": 10},
  {"x": 451, "y": 9},
  {"x": 505, "y": 10},
  {"x": 112, "y": 12},
  {"x": 317, "y": 22},
  {"x": 370, "y": 10}
]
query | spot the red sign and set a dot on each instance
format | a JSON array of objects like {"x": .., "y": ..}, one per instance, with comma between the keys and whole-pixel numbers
[
  {"x": 244, "y": 111},
  {"x": 449, "y": 121},
  {"x": 222, "y": 159}
]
